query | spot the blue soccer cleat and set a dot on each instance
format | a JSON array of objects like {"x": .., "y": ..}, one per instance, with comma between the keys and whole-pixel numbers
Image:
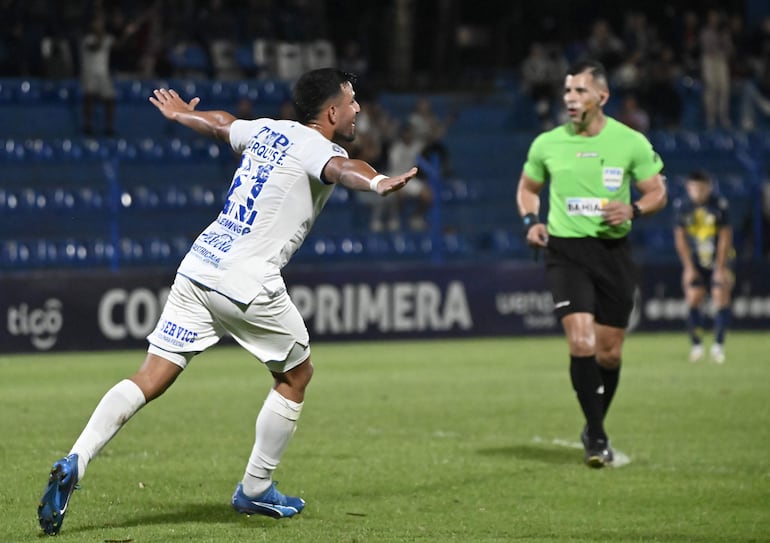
[
  {"x": 270, "y": 503},
  {"x": 61, "y": 483}
]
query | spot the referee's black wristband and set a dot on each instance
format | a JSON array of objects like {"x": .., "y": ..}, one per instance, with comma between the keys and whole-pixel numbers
[
  {"x": 529, "y": 220},
  {"x": 637, "y": 211}
]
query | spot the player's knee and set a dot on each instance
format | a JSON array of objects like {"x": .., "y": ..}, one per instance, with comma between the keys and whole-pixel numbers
[
  {"x": 582, "y": 345},
  {"x": 155, "y": 376},
  {"x": 297, "y": 378},
  {"x": 150, "y": 385},
  {"x": 609, "y": 359}
]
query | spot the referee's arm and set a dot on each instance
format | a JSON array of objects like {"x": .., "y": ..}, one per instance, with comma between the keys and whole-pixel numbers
[
  {"x": 528, "y": 202},
  {"x": 653, "y": 199}
]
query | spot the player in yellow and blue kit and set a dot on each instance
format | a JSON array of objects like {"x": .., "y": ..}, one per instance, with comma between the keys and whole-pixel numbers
[{"x": 704, "y": 243}]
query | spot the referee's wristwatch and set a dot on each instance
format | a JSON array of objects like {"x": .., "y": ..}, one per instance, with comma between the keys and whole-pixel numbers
[
  {"x": 529, "y": 220},
  {"x": 637, "y": 211}
]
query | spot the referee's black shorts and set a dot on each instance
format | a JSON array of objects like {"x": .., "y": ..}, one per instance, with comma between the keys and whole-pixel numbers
[{"x": 592, "y": 275}]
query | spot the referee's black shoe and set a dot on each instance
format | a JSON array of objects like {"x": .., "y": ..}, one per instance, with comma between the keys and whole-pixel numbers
[{"x": 598, "y": 452}]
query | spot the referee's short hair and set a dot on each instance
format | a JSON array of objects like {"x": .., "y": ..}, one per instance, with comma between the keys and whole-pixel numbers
[{"x": 595, "y": 67}]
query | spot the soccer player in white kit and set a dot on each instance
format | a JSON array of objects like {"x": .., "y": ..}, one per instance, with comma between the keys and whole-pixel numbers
[{"x": 230, "y": 281}]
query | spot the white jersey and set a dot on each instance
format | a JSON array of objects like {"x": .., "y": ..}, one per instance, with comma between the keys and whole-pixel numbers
[{"x": 275, "y": 196}]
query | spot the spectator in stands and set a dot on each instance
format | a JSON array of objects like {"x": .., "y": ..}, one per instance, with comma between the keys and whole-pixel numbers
[
  {"x": 633, "y": 115},
  {"x": 704, "y": 242},
  {"x": 541, "y": 74},
  {"x": 627, "y": 78},
  {"x": 716, "y": 49},
  {"x": 286, "y": 112},
  {"x": 95, "y": 76},
  {"x": 590, "y": 164},
  {"x": 426, "y": 126},
  {"x": 353, "y": 60},
  {"x": 230, "y": 281},
  {"x": 58, "y": 61},
  {"x": 753, "y": 100},
  {"x": 755, "y": 88},
  {"x": 688, "y": 46},
  {"x": 374, "y": 135},
  {"x": 386, "y": 213},
  {"x": 417, "y": 197},
  {"x": 659, "y": 94},
  {"x": 637, "y": 37},
  {"x": 95, "y": 72},
  {"x": 604, "y": 45}
]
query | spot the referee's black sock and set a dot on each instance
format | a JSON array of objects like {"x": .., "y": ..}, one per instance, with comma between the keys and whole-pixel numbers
[
  {"x": 587, "y": 382},
  {"x": 610, "y": 379}
]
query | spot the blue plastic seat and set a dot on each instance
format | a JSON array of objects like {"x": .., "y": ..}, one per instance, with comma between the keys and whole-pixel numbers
[
  {"x": 157, "y": 249},
  {"x": 689, "y": 142},
  {"x": 150, "y": 149},
  {"x": 377, "y": 245},
  {"x": 12, "y": 150},
  {"x": 100, "y": 251},
  {"x": 244, "y": 58},
  {"x": 130, "y": 250},
  {"x": 67, "y": 149},
  {"x": 65, "y": 91},
  {"x": 350, "y": 246},
  {"x": 72, "y": 252},
  {"x": 90, "y": 198},
  {"x": 189, "y": 58},
  {"x": 29, "y": 91},
  {"x": 274, "y": 92}
]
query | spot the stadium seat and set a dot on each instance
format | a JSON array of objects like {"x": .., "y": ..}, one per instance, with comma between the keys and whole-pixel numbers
[
  {"x": 318, "y": 54},
  {"x": 7, "y": 91},
  {"x": 190, "y": 60},
  {"x": 29, "y": 91},
  {"x": 244, "y": 57},
  {"x": 350, "y": 246},
  {"x": 62, "y": 91},
  {"x": 223, "y": 59},
  {"x": 289, "y": 62}
]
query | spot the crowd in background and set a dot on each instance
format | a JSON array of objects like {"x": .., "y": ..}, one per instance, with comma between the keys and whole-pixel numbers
[
  {"x": 649, "y": 55},
  {"x": 42, "y": 39}
]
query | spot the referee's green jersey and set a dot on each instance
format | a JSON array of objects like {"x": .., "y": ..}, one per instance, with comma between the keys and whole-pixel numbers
[{"x": 587, "y": 172}]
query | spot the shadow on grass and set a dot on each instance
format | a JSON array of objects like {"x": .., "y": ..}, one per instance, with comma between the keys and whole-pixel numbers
[
  {"x": 208, "y": 513},
  {"x": 539, "y": 453}
]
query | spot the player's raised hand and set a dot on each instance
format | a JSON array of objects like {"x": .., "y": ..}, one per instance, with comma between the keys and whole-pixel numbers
[
  {"x": 397, "y": 182},
  {"x": 171, "y": 104}
]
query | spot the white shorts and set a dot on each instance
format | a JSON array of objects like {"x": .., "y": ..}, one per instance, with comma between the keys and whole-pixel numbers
[{"x": 196, "y": 317}]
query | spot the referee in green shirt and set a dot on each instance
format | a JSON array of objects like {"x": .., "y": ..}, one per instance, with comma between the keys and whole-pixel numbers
[{"x": 590, "y": 163}]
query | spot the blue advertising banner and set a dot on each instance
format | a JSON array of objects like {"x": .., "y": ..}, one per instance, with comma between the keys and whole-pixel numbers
[{"x": 92, "y": 311}]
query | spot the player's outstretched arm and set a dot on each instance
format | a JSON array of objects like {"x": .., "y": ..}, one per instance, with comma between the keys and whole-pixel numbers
[
  {"x": 359, "y": 175},
  {"x": 215, "y": 124}
]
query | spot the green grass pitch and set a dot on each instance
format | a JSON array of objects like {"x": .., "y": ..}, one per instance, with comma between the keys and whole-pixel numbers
[{"x": 425, "y": 441}]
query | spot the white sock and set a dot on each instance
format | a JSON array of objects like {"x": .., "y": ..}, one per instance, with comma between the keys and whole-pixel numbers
[
  {"x": 276, "y": 423},
  {"x": 115, "y": 408}
]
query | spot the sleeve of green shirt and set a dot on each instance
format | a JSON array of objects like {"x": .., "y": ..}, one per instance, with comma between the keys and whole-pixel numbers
[
  {"x": 535, "y": 167},
  {"x": 645, "y": 161}
]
